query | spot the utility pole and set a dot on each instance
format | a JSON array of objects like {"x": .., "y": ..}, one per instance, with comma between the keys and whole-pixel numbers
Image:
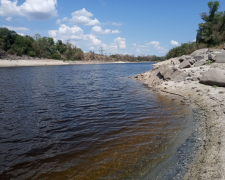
[{"x": 101, "y": 50}]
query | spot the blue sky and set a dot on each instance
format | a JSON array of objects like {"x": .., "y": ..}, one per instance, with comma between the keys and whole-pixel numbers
[{"x": 136, "y": 27}]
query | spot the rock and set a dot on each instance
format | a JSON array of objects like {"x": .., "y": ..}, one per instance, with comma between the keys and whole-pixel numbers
[
  {"x": 188, "y": 57},
  {"x": 214, "y": 77},
  {"x": 220, "y": 58},
  {"x": 184, "y": 57},
  {"x": 181, "y": 59},
  {"x": 191, "y": 61},
  {"x": 175, "y": 61},
  {"x": 224, "y": 46},
  {"x": 163, "y": 69},
  {"x": 175, "y": 68},
  {"x": 178, "y": 75},
  {"x": 185, "y": 64},
  {"x": 212, "y": 57},
  {"x": 198, "y": 58},
  {"x": 199, "y": 52},
  {"x": 200, "y": 63},
  {"x": 168, "y": 73}
]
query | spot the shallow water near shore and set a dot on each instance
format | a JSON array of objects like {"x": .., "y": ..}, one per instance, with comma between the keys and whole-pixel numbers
[{"x": 86, "y": 122}]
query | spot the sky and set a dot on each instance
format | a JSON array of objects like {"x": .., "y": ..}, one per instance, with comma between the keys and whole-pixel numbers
[{"x": 135, "y": 27}]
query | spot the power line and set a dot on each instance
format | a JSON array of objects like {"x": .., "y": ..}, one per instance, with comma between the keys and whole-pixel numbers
[{"x": 16, "y": 24}]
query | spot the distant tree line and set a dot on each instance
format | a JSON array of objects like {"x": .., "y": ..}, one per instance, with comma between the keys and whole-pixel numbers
[
  {"x": 37, "y": 46},
  {"x": 127, "y": 57},
  {"x": 211, "y": 33}
]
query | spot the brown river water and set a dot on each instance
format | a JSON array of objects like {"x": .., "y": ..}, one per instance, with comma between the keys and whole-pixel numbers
[{"x": 85, "y": 122}]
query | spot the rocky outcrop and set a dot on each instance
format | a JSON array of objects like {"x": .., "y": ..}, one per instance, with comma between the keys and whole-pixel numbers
[
  {"x": 214, "y": 77},
  {"x": 195, "y": 67}
]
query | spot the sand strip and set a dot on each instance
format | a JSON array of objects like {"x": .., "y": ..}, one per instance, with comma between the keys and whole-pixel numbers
[{"x": 48, "y": 62}]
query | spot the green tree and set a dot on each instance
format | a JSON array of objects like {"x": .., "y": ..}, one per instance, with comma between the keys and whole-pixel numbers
[
  {"x": 7, "y": 38},
  {"x": 211, "y": 32}
]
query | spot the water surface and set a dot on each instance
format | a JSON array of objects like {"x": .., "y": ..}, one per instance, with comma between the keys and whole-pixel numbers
[{"x": 84, "y": 122}]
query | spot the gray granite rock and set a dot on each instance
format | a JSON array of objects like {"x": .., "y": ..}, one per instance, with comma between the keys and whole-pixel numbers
[
  {"x": 191, "y": 61},
  {"x": 214, "y": 77},
  {"x": 200, "y": 63},
  {"x": 200, "y": 52},
  {"x": 212, "y": 57},
  {"x": 220, "y": 58},
  {"x": 185, "y": 64},
  {"x": 199, "y": 57}
]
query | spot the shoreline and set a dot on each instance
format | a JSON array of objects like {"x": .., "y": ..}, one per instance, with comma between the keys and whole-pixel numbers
[
  {"x": 208, "y": 158},
  {"x": 53, "y": 62},
  {"x": 208, "y": 105},
  {"x": 49, "y": 62}
]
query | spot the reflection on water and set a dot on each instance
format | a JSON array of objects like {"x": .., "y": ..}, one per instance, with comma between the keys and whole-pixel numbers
[{"x": 83, "y": 122}]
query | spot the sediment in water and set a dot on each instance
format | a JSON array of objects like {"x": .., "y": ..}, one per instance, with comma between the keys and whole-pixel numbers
[{"x": 207, "y": 140}]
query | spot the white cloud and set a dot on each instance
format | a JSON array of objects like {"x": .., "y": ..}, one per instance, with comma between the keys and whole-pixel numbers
[
  {"x": 194, "y": 40},
  {"x": 21, "y": 34},
  {"x": 115, "y": 31},
  {"x": 157, "y": 46},
  {"x": 8, "y": 19},
  {"x": 141, "y": 48},
  {"x": 155, "y": 43},
  {"x": 32, "y": 9},
  {"x": 82, "y": 17},
  {"x": 121, "y": 42},
  {"x": 174, "y": 43},
  {"x": 14, "y": 28},
  {"x": 117, "y": 24},
  {"x": 93, "y": 39},
  {"x": 92, "y": 48},
  {"x": 73, "y": 33},
  {"x": 99, "y": 30},
  {"x": 58, "y": 21}
]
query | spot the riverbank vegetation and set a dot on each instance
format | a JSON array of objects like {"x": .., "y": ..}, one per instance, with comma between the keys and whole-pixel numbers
[
  {"x": 210, "y": 34},
  {"x": 37, "y": 46}
]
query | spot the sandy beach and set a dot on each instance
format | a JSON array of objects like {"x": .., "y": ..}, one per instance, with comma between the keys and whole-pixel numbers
[
  {"x": 208, "y": 104},
  {"x": 47, "y": 62}
]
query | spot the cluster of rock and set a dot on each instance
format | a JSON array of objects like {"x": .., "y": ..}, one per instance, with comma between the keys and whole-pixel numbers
[{"x": 205, "y": 65}]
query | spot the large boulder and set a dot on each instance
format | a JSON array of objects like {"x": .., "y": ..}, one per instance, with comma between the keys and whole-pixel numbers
[
  {"x": 220, "y": 58},
  {"x": 200, "y": 52},
  {"x": 162, "y": 69},
  {"x": 200, "y": 63},
  {"x": 184, "y": 57},
  {"x": 185, "y": 64},
  {"x": 199, "y": 57},
  {"x": 214, "y": 77}
]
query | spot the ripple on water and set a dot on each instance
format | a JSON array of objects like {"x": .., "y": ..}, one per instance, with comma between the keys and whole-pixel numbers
[{"x": 83, "y": 122}]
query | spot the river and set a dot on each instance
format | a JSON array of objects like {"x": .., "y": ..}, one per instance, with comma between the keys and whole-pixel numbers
[{"x": 85, "y": 122}]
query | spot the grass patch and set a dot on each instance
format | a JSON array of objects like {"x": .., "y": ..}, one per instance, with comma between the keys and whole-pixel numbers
[{"x": 209, "y": 62}]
